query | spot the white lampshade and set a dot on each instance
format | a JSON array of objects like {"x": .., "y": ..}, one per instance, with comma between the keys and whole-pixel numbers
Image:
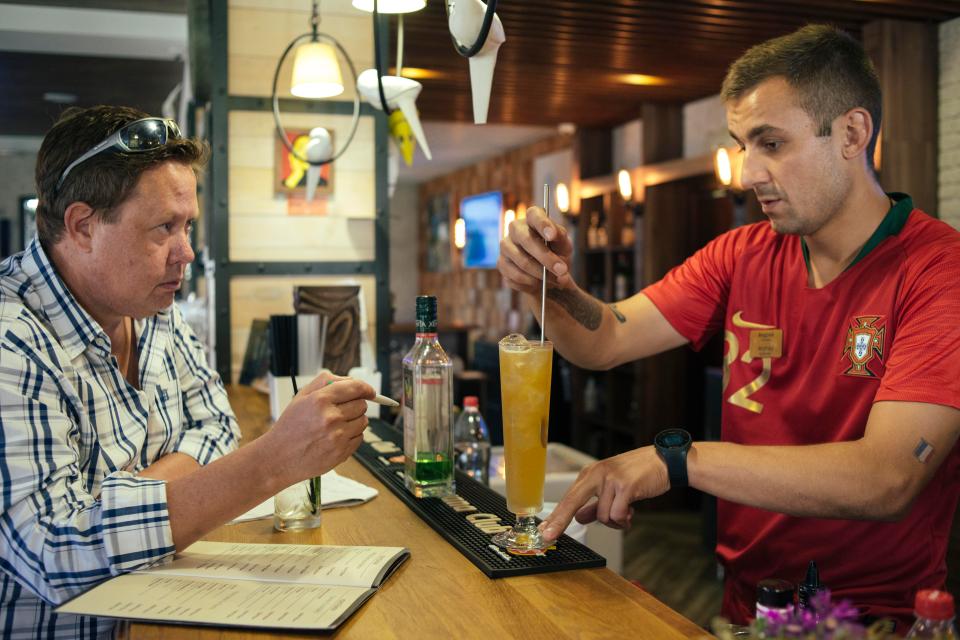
[
  {"x": 316, "y": 72},
  {"x": 391, "y": 6}
]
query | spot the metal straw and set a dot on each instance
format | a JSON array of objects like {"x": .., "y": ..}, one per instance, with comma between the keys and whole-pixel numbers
[{"x": 543, "y": 290}]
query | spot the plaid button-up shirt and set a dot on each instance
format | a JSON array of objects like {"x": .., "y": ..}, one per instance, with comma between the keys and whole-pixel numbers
[{"x": 73, "y": 436}]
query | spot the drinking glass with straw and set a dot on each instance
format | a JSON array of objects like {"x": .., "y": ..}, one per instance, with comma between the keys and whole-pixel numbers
[
  {"x": 298, "y": 506},
  {"x": 525, "y": 372}
]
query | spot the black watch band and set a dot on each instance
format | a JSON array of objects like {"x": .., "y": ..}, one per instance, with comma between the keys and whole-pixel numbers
[{"x": 672, "y": 446}]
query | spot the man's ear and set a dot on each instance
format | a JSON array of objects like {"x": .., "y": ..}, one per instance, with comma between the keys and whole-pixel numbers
[
  {"x": 79, "y": 222},
  {"x": 856, "y": 129}
]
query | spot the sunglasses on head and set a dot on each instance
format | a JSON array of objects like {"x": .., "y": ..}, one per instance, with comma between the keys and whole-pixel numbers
[{"x": 140, "y": 135}]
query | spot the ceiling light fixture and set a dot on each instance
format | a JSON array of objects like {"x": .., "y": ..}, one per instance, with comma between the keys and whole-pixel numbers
[
  {"x": 316, "y": 74},
  {"x": 60, "y": 97},
  {"x": 641, "y": 79},
  {"x": 419, "y": 73},
  {"x": 390, "y": 6}
]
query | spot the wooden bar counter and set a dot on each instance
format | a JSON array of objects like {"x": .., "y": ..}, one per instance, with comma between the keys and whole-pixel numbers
[{"x": 437, "y": 592}]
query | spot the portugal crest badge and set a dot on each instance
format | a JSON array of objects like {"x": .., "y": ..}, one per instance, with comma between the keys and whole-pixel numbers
[{"x": 864, "y": 343}]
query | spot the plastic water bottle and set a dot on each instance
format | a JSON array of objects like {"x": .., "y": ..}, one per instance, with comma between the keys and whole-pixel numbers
[
  {"x": 471, "y": 442},
  {"x": 935, "y": 613}
]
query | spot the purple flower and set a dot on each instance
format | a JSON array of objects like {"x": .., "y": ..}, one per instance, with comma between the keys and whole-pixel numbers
[{"x": 822, "y": 621}]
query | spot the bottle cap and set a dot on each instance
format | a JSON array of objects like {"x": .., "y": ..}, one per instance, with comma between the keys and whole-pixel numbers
[
  {"x": 471, "y": 401},
  {"x": 426, "y": 314},
  {"x": 810, "y": 586},
  {"x": 934, "y": 604},
  {"x": 775, "y": 593}
]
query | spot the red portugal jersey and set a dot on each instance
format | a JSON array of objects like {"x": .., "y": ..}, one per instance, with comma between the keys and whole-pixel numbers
[{"x": 887, "y": 328}]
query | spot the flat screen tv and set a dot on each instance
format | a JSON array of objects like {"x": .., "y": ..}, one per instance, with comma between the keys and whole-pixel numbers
[{"x": 481, "y": 220}]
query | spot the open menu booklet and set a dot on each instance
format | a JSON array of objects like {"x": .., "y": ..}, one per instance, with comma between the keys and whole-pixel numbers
[{"x": 279, "y": 586}]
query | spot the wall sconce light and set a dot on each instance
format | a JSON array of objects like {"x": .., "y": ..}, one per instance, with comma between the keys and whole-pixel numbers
[
  {"x": 521, "y": 211},
  {"x": 625, "y": 184},
  {"x": 721, "y": 166},
  {"x": 724, "y": 170},
  {"x": 877, "y": 153},
  {"x": 460, "y": 233},
  {"x": 563, "y": 197},
  {"x": 508, "y": 216}
]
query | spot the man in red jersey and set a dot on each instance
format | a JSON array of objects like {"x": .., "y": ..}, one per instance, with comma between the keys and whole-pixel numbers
[{"x": 841, "y": 401}]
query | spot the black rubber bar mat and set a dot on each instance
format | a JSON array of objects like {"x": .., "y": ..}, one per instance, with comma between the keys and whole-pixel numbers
[{"x": 382, "y": 458}]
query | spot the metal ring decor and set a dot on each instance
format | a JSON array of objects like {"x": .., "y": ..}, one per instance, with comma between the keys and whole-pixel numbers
[
  {"x": 276, "y": 103},
  {"x": 474, "y": 49}
]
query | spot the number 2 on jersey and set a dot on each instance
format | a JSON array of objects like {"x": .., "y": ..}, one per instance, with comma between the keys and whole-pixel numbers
[{"x": 741, "y": 397}]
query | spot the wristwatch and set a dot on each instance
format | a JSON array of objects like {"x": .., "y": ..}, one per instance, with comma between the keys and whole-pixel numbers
[{"x": 672, "y": 446}]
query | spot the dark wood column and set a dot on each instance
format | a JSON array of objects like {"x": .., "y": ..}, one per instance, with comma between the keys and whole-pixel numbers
[
  {"x": 662, "y": 132},
  {"x": 905, "y": 55}
]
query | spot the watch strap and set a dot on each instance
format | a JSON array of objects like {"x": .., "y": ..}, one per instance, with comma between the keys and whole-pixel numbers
[{"x": 676, "y": 460}]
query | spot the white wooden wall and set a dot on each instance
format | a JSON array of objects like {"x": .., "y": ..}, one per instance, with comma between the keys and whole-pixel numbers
[{"x": 260, "y": 228}]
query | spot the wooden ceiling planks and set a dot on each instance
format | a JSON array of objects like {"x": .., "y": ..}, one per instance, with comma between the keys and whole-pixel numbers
[{"x": 564, "y": 60}]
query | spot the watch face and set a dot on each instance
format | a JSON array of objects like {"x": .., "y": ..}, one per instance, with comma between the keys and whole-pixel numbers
[{"x": 672, "y": 438}]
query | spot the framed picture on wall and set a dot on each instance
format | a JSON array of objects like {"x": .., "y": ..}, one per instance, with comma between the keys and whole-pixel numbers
[
  {"x": 438, "y": 233},
  {"x": 290, "y": 175}
]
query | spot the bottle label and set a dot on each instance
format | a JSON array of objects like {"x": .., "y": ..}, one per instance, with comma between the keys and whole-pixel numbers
[
  {"x": 409, "y": 425},
  {"x": 427, "y": 324},
  {"x": 764, "y": 611}
]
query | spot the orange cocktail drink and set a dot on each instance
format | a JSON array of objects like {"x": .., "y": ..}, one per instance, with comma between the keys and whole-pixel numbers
[{"x": 525, "y": 370}]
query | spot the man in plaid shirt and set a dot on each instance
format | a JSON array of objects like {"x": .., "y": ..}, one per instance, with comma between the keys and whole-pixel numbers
[{"x": 117, "y": 443}]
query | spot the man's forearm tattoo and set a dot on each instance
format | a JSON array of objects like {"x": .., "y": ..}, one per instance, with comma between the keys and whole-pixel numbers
[
  {"x": 581, "y": 307},
  {"x": 616, "y": 313}
]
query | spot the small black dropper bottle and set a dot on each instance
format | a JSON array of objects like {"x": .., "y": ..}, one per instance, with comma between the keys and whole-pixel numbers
[{"x": 810, "y": 586}]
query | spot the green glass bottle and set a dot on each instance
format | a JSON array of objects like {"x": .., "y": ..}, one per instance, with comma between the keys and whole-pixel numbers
[{"x": 427, "y": 409}]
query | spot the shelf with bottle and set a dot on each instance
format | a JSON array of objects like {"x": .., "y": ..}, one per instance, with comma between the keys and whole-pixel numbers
[{"x": 606, "y": 267}]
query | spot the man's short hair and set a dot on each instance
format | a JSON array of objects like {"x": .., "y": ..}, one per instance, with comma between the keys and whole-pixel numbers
[
  {"x": 828, "y": 68},
  {"x": 103, "y": 181}
]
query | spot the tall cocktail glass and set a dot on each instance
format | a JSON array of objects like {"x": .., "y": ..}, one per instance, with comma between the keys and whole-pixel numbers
[{"x": 525, "y": 369}]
